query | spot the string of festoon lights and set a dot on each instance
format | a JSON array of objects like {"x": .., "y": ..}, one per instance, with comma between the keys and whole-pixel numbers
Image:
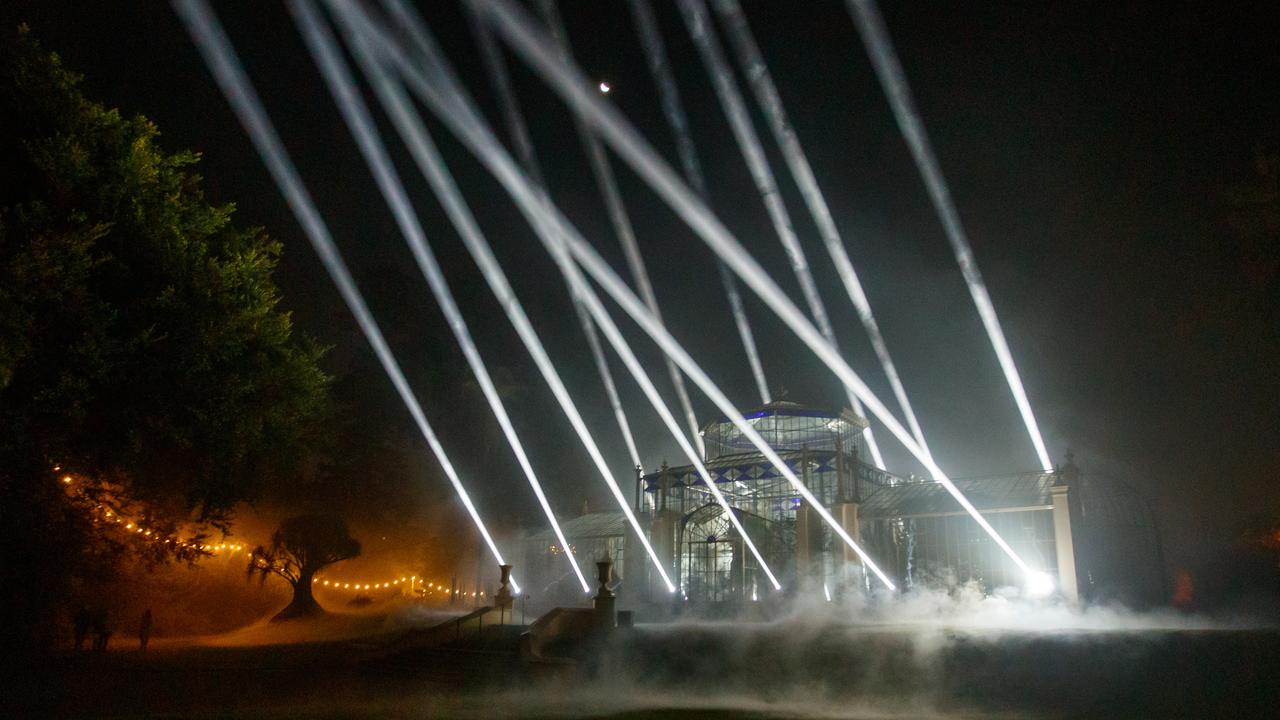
[
  {"x": 138, "y": 528},
  {"x": 414, "y": 584},
  {"x": 134, "y": 527}
]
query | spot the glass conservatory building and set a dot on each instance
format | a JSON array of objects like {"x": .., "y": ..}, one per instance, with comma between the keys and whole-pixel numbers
[{"x": 914, "y": 529}]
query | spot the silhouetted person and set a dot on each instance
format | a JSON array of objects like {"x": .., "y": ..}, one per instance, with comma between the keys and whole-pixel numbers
[
  {"x": 100, "y": 632},
  {"x": 144, "y": 630},
  {"x": 81, "y": 624}
]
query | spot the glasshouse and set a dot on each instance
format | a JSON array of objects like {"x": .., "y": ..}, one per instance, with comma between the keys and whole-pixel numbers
[{"x": 911, "y": 527}]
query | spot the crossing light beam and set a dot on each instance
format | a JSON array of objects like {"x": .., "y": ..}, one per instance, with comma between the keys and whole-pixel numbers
[{"x": 220, "y": 57}]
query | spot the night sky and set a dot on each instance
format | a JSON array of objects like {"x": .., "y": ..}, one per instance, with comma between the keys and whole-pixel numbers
[{"x": 1091, "y": 149}]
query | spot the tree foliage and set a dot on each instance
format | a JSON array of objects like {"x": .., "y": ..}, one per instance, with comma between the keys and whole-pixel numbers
[
  {"x": 300, "y": 547},
  {"x": 141, "y": 338}
]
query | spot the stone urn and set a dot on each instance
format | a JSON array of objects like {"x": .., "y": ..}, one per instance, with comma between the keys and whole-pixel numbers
[
  {"x": 503, "y": 598},
  {"x": 604, "y": 573}
]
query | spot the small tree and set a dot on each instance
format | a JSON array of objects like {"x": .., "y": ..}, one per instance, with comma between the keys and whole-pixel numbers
[{"x": 299, "y": 548}]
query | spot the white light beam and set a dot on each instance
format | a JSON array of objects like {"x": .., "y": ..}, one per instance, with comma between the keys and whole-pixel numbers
[
  {"x": 220, "y": 57},
  {"x": 894, "y": 81},
  {"x": 735, "y": 109},
  {"x": 608, "y": 184},
  {"x": 538, "y": 50},
  {"x": 501, "y": 288},
  {"x": 324, "y": 50},
  {"x": 491, "y": 56},
  {"x": 438, "y": 89},
  {"x": 766, "y": 93},
  {"x": 669, "y": 94},
  {"x": 414, "y": 132}
]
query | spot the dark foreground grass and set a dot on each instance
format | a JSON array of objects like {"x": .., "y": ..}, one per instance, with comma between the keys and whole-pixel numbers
[{"x": 726, "y": 672}]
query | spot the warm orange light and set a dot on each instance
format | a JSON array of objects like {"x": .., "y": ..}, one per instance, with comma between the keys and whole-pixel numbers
[
  {"x": 129, "y": 526},
  {"x": 66, "y": 479}
]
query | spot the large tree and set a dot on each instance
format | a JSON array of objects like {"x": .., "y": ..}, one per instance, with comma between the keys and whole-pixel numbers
[
  {"x": 141, "y": 339},
  {"x": 299, "y": 549}
]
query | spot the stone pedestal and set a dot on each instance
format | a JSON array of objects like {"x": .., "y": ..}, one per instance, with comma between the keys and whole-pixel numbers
[
  {"x": 808, "y": 540},
  {"x": 662, "y": 536},
  {"x": 1067, "y": 583},
  {"x": 635, "y": 563},
  {"x": 846, "y": 513}
]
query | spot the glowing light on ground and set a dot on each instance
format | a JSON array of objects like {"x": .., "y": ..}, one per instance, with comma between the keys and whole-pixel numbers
[
  {"x": 894, "y": 80},
  {"x": 220, "y": 57},
  {"x": 1040, "y": 584}
]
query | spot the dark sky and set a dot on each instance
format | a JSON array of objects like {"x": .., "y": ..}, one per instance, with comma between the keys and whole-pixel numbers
[{"x": 1090, "y": 147}]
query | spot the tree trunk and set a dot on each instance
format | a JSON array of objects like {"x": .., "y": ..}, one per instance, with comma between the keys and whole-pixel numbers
[{"x": 303, "y": 604}]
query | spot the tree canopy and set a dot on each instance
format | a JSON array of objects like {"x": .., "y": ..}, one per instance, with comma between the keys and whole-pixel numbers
[{"x": 142, "y": 341}]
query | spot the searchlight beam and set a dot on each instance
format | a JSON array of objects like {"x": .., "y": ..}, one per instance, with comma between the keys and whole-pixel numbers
[
  {"x": 538, "y": 50},
  {"x": 220, "y": 57}
]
